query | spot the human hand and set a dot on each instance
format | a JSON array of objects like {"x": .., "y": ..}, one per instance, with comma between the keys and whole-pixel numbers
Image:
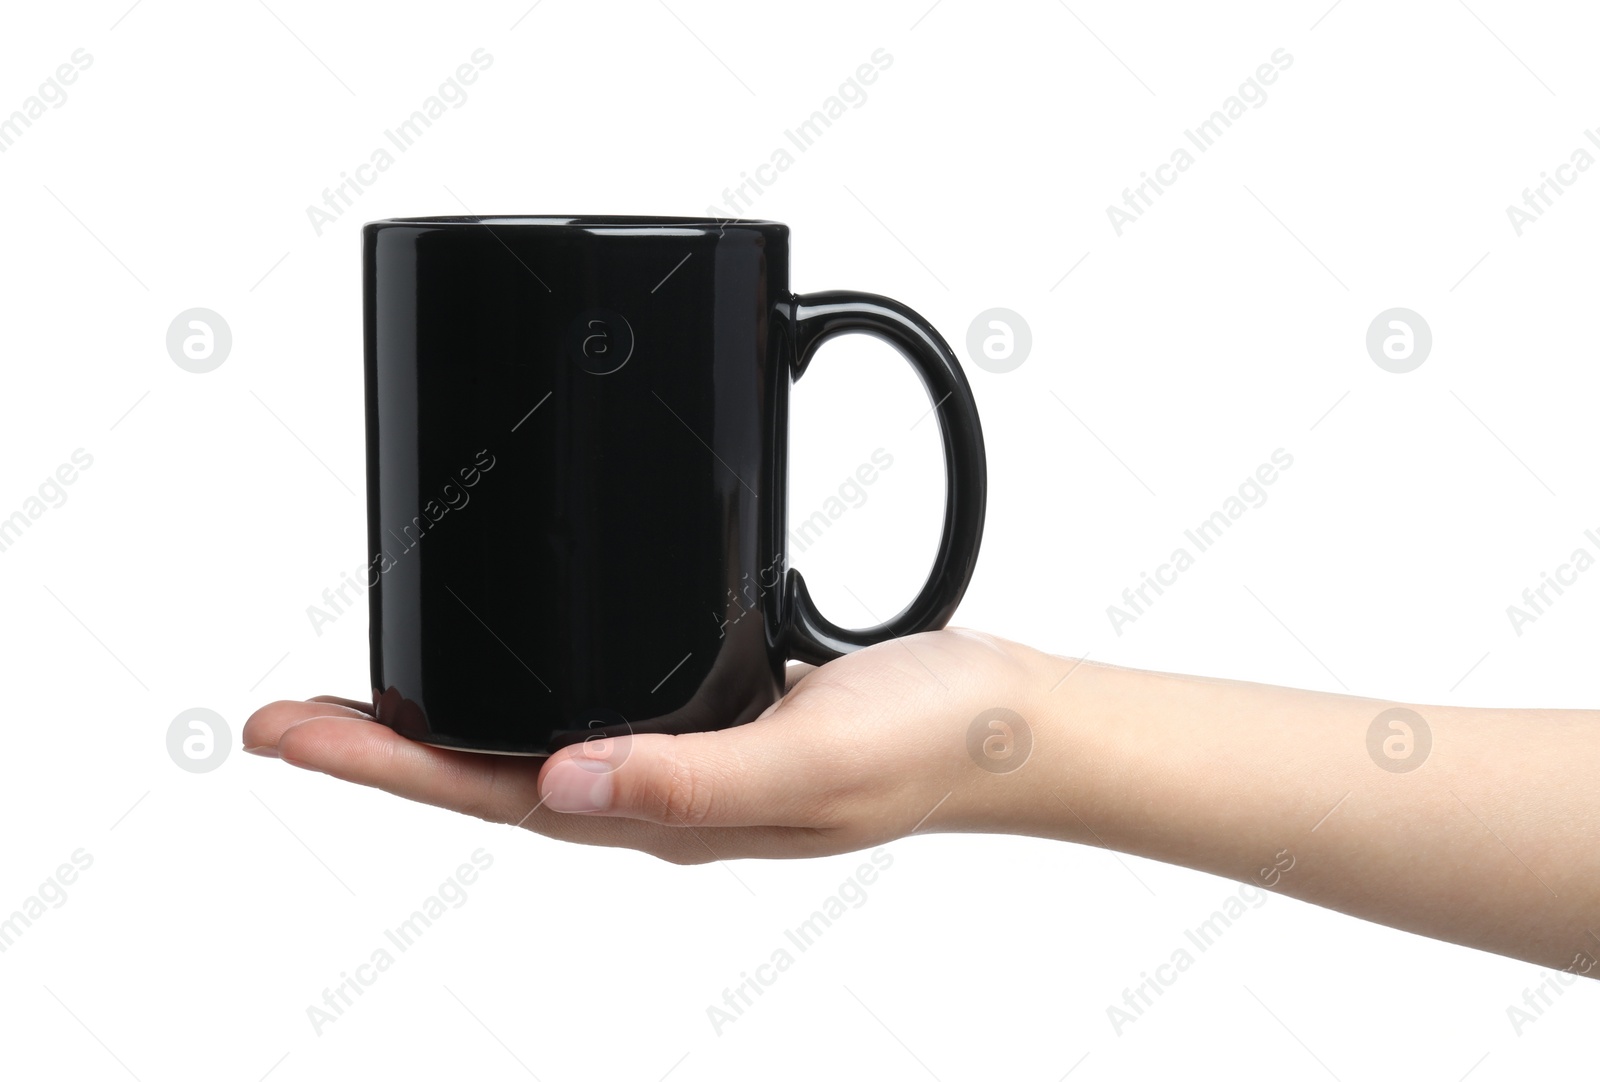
[{"x": 862, "y": 750}]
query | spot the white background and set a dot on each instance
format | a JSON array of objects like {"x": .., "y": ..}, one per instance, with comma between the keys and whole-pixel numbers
[{"x": 1227, "y": 322}]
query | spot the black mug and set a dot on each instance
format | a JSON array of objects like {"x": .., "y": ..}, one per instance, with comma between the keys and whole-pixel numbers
[{"x": 576, "y": 475}]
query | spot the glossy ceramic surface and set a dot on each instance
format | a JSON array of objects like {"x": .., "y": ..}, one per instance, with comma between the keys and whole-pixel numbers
[{"x": 576, "y": 458}]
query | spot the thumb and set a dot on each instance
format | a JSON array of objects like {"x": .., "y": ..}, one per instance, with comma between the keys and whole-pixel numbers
[{"x": 743, "y": 776}]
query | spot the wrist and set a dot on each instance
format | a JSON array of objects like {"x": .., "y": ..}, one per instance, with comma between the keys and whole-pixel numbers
[
  {"x": 1030, "y": 748},
  {"x": 1081, "y": 753}
]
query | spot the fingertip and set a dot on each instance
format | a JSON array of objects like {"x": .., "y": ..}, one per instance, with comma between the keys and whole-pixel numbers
[
  {"x": 302, "y": 744},
  {"x": 266, "y": 726},
  {"x": 262, "y": 728}
]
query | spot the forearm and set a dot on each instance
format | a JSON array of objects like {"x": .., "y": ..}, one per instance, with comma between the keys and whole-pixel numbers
[{"x": 1489, "y": 841}]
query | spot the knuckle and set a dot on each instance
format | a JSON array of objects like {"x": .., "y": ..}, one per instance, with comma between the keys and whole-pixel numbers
[{"x": 686, "y": 796}]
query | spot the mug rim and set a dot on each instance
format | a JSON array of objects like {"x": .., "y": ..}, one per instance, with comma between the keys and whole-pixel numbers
[{"x": 648, "y": 222}]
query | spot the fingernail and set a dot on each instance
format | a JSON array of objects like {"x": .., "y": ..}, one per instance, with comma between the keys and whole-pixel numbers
[
  {"x": 266, "y": 751},
  {"x": 578, "y": 785}
]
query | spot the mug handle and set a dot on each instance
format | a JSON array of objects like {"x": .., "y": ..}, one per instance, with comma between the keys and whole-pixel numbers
[{"x": 817, "y": 317}]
